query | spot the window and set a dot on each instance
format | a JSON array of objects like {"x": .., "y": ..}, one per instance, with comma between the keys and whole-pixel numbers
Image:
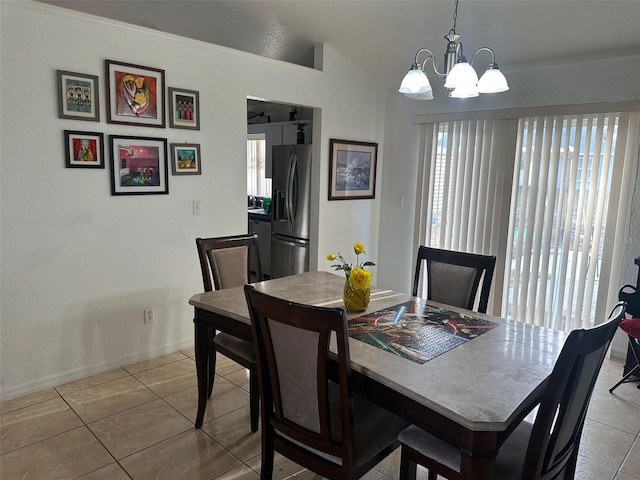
[
  {"x": 535, "y": 192},
  {"x": 557, "y": 229},
  {"x": 257, "y": 183}
]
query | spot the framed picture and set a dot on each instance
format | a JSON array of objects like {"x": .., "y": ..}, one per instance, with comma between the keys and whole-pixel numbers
[
  {"x": 184, "y": 108},
  {"x": 352, "y": 170},
  {"x": 78, "y": 96},
  {"x": 84, "y": 149},
  {"x": 185, "y": 159},
  {"x": 135, "y": 94},
  {"x": 138, "y": 165}
]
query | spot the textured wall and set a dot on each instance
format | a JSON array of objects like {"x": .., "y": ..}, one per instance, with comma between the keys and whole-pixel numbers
[{"x": 79, "y": 265}]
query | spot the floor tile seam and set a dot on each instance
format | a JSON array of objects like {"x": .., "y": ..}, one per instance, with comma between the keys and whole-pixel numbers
[
  {"x": 237, "y": 385},
  {"x": 600, "y": 422},
  {"x": 100, "y": 468},
  {"x": 154, "y": 445},
  {"x": 106, "y": 450},
  {"x": 82, "y": 424},
  {"x": 47, "y": 438},
  {"x": 635, "y": 404},
  {"x": 30, "y": 405},
  {"x": 178, "y": 411},
  {"x": 113, "y": 413},
  {"x": 616, "y": 467},
  {"x": 119, "y": 412},
  {"x": 294, "y": 475},
  {"x": 90, "y": 386},
  {"x": 242, "y": 462},
  {"x": 627, "y": 456},
  {"x": 381, "y": 473},
  {"x": 168, "y": 381},
  {"x": 157, "y": 366},
  {"x": 101, "y": 384}
]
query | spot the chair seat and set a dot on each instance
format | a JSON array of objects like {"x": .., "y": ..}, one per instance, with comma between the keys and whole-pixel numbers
[
  {"x": 374, "y": 428},
  {"x": 235, "y": 348},
  {"x": 509, "y": 461}
]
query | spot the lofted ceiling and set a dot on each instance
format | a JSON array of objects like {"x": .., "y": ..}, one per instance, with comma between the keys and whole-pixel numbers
[{"x": 382, "y": 36}]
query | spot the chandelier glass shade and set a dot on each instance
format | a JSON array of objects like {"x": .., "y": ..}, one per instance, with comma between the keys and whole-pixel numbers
[{"x": 460, "y": 77}]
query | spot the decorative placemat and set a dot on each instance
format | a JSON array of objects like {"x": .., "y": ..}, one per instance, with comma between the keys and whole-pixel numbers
[{"x": 417, "y": 331}]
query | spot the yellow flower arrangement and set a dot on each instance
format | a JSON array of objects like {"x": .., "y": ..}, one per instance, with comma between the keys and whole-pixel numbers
[{"x": 357, "y": 274}]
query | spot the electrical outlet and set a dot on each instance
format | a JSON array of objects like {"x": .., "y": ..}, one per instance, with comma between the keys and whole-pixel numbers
[{"x": 148, "y": 315}]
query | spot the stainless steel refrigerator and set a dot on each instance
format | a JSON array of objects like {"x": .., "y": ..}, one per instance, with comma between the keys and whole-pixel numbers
[{"x": 291, "y": 184}]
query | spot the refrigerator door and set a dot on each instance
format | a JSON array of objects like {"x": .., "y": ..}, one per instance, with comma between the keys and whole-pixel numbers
[
  {"x": 288, "y": 256},
  {"x": 291, "y": 184}
]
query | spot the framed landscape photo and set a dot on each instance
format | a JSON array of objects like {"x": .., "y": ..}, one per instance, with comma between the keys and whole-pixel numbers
[
  {"x": 138, "y": 165},
  {"x": 352, "y": 170},
  {"x": 185, "y": 159},
  {"x": 184, "y": 108},
  {"x": 84, "y": 149},
  {"x": 78, "y": 96},
  {"x": 135, "y": 94}
]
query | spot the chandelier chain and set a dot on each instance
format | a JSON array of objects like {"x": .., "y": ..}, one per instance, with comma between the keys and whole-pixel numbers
[{"x": 455, "y": 19}]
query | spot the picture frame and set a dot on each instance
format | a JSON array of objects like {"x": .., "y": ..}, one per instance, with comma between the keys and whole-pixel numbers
[
  {"x": 138, "y": 165},
  {"x": 78, "y": 96},
  {"x": 135, "y": 94},
  {"x": 84, "y": 149},
  {"x": 352, "y": 170},
  {"x": 185, "y": 159},
  {"x": 184, "y": 108}
]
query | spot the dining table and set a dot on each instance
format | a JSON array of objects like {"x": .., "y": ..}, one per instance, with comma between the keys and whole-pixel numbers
[{"x": 471, "y": 393}]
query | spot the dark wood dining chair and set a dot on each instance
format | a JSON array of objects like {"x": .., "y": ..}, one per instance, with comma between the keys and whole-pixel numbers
[
  {"x": 225, "y": 263},
  {"x": 310, "y": 419},
  {"x": 454, "y": 277},
  {"x": 546, "y": 449}
]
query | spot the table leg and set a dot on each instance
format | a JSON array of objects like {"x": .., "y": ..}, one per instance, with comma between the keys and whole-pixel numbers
[
  {"x": 481, "y": 463},
  {"x": 203, "y": 351}
]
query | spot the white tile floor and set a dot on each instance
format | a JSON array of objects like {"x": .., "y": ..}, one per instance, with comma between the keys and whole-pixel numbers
[{"x": 137, "y": 423}]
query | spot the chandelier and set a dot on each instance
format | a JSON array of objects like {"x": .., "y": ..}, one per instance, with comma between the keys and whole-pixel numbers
[{"x": 460, "y": 77}]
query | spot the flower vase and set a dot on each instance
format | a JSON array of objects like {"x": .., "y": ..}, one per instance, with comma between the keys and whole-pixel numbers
[{"x": 356, "y": 299}]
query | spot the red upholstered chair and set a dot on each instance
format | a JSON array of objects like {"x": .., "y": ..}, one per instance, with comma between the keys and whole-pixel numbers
[{"x": 631, "y": 326}]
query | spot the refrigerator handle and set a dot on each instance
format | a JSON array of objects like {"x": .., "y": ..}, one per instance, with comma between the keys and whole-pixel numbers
[
  {"x": 293, "y": 165},
  {"x": 278, "y": 204}
]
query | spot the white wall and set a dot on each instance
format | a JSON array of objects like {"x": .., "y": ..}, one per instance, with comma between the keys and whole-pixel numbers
[
  {"x": 612, "y": 80},
  {"x": 79, "y": 265}
]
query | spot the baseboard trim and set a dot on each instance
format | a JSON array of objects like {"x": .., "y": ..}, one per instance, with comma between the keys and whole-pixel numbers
[{"x": 84, "y": 372}]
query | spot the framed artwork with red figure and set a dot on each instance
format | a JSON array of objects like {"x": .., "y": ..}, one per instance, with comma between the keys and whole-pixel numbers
[
  {"x": 135, "y": 94},
  {"x": 84, "y": 149},
  {"x": 138, "y": 165},
  {"x": 184, "y": 108}
]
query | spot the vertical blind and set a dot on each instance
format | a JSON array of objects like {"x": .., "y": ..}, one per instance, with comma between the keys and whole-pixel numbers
[
  {"x": 535, "y": 192},
  {"x": 559, "y": 205},
  {"x": 465, "y": 172}
]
